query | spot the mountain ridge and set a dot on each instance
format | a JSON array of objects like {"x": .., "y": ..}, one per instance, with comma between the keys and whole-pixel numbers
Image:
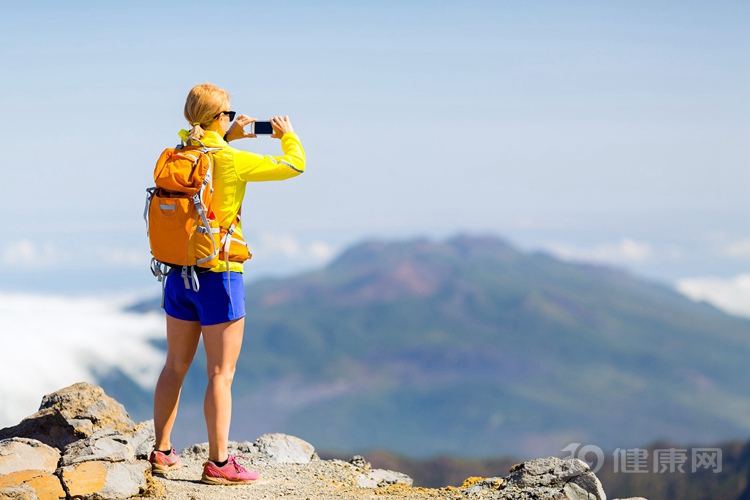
[{"x": 407, "y": 345}]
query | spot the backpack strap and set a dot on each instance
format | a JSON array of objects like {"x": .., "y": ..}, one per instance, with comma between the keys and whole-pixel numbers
[
  {"x": 226, "y": 242},
  {"x": 161, "y": 271},
  {"x": 197, "y": 201},
  {"x": 188, "y": 275},
  {"x": 149, "y": 196}
]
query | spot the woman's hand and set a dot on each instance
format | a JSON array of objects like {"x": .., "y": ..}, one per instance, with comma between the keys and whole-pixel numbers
[
  {"x": 237, "y": 129},
  {"x": 281, "y": 125}
]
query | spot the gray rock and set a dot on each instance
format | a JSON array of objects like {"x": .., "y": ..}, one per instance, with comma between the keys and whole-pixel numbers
[
  {"x": 144, "y": 439},
  {"x": 196, "y": 451},
  {"x": 48, "y": 426},
  {"x": 111, "y": 480},
  {"x": 489, "y": 484},
  {"x": 576, "y": 492},
  {"x": 21, "y": 492},
  {"x": 381, "y": 477},
  {"x": 586, "y": 487},
  {"x": 243, "y": 448},
  {"x": 545, "y": 472},
  {"x": 359, "y": 462},
  {"x": 126, "y": 480},
  {"x": 282, "y": 448},
  {"x": 88, "y": 409},
  {"x": 17, "y": 454},
  {"x": 542, "y": 493},
  {"x": 200, "y": 451},
  {"x": 107, "y": 445},
  {"x": 570, "y": 478}
]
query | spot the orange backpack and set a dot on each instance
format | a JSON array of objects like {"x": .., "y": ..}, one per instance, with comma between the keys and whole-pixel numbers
[{"x": 182, "y": 229}]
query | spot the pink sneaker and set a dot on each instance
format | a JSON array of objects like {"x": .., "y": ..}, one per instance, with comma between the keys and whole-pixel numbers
[
  {"x": 161, "y": 462},
  {"x": 231, "y": 473}
]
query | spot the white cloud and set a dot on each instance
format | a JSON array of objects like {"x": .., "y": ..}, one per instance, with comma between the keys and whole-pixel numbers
[
  {"x": 321, "y": 251},
  {"x": 739, "y": 249},
  {"x": 731, "y": 295},
  {"x": 123, "y": 257},
  {"x": 626, "y": 250},
  {"x": 55, "y": 341},
  {"x": 73, "y": 253},
  {"x": 284, "y": 244},
  {"x": 26, "y": 253},
  {"x": 273, "y": 244}
]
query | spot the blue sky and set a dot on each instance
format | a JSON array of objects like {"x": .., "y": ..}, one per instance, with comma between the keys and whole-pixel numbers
[{"x": 606, "y": 131}]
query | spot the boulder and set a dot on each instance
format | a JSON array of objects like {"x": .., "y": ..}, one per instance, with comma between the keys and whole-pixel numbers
[
  {"x": 144, "y": 439},
  {"x": 48, "y": 426},
  {"x": 88, "y": 409},
  {"x": 380, "y": 478},
  {"x": 107, "y": 445},
  {"x": 31, "y": 484},
  {"x": 112, "y": 480},
  {"x": 282, "y": 448},
  {"x": 555, "y": 478},
  {"x": 17, "y": 454}
]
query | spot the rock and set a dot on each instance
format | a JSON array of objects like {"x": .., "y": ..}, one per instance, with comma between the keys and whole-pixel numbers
[
  {"x": 111, "y": 480},
  {"x": 200, "y": 451},
  {"x": 44, "y": 485},
  {"x": 23, "y": 492},
  {"x": 48, "y": 426},
  {"x": 478, "y": 484},
  {"x": 359, "y": 462},
  {"x": 196, "y": 451},
  {"x": 107, "y": 445},
  {"x": 571, "y": 476},
  {"x": 285, "y": 449},
  {"x": 88, "y": 409},
  {"x": 144, "y": 439},
  {"x": 381, "y": 477},
  {"x": 243, "y": 448},
  {"x": 103, "y": 451},
  {"x": 17, "y": 454}
]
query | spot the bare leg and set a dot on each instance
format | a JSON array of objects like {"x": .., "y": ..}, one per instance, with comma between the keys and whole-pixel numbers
[
  {"x": 182, "y": 342},
  {"x": 223, "y": 343}
]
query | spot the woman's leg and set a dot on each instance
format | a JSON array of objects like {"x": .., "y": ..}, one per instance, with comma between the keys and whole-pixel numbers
[
  {"x": 222, "y": 343},
  {"x": 182, "y": 342}
]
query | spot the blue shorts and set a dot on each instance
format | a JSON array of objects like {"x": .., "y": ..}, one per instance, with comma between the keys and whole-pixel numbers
[{"x": 211, "y": 304}]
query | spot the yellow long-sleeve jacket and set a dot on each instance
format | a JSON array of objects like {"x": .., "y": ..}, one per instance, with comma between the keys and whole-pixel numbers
[{"x": 234, "y": 168}]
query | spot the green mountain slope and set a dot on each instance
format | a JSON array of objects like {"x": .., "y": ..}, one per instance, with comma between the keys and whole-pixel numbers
[{"x": 470, "y": 347}]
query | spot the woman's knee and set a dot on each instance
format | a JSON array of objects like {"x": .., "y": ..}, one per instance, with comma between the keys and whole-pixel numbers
[
  {"x": 177, "y": 367},
  {"x": 221, "y": 375}
]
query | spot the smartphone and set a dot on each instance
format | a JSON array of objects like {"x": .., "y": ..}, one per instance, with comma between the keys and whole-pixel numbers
[{"x": 261, "y": 128}]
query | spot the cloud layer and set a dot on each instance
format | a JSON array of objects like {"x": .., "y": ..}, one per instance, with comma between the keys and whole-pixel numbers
[
  {"x": 624, "y": 251},
  {"x": 729, "y": 294},
  {"x": 49, "y": 342}
]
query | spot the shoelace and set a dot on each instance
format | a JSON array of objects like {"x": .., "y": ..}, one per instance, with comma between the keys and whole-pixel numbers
[{"x": 233, "y": 460}]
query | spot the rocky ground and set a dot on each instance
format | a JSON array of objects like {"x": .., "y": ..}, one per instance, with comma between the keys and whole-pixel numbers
[
  {"x": 82, "y": 444},
  {"x": 324, "y": 479}
]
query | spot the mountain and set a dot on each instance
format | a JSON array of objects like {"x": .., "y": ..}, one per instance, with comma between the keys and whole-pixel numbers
[{"x": 470, "y": 347}]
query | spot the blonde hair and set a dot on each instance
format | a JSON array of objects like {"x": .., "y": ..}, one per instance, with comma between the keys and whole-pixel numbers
[{"x": 203, "y": 103}]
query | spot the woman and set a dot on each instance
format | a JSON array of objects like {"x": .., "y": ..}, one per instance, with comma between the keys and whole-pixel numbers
[{"x": 217, "y": 309}]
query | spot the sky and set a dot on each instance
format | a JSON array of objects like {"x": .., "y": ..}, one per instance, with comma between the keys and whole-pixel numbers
[{"x": 613, "y": 132}]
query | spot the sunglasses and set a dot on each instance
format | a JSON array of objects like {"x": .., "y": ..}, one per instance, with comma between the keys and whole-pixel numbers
[{"x": 230, "y": 113}]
